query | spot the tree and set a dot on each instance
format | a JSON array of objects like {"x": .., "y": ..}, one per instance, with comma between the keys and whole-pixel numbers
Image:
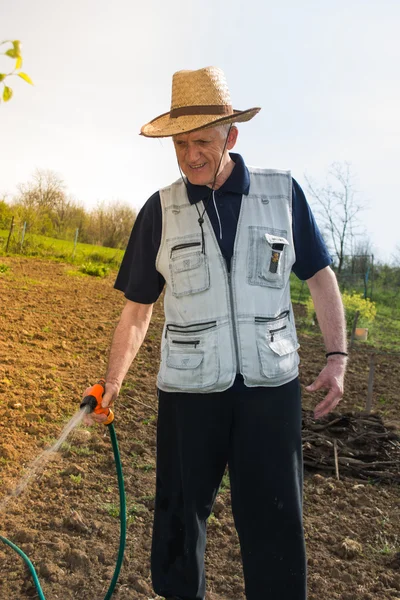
[
  {"x": 396, "y": 256},
  {"x": 5, "y": 213},
  {"x": 110, "y": 224},
  {"x": 338, "y": 208},
  {"x": 13, "y": 53},
  {"x": 41, "y": 200}
]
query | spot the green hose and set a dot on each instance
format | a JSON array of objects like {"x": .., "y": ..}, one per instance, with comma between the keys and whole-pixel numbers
[
  {"x": 122, "y": 511},
  {"x": 30, "y": 565},
  {"x": 122, "y": 517}
]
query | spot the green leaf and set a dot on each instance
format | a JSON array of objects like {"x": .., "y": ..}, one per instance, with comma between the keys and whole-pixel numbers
[
  {"x": 2, "y": 76},
  {"x": 17, "y": 47},
  {"x": 25, "y": 77},
  {"x": 12, "y": 53},
  {"x": 19, "y": 62},
  {"x": 7, "y": 93}
]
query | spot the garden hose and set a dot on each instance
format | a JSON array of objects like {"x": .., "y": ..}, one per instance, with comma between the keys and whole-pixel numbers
[
  {"x": 88, "y": 403},
  {"x": 30, "y": 566}
]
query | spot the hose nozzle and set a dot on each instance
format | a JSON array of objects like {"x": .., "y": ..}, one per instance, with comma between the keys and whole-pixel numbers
[{"x": 92, "y": 402}]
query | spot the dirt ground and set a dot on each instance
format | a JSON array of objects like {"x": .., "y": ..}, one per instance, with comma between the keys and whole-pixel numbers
[{"x": 55, "y": 330}]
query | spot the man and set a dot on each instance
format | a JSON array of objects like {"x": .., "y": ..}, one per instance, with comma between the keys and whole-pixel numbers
[{"x": 223, "y": 240}]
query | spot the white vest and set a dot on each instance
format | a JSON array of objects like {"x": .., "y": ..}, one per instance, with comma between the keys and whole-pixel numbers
[{"x": 218, "y": 324}]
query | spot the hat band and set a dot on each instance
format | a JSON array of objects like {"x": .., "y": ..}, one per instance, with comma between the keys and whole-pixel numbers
[{"x": 212, "y": 109}]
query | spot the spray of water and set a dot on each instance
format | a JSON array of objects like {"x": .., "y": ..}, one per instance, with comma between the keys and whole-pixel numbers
[{"x": 37, "y": 466}]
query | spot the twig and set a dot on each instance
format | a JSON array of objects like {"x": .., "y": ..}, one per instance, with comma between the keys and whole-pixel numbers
[
  {"x": 353, "y": 331},
  {"x": 325, "y": 425},
  {"x": 142, "y": 403},
  {"x": 336, "y": 459},
  {"x": 370, "y": 383}
]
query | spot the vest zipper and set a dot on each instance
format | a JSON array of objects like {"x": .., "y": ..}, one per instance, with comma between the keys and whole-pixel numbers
[
  {"x": 282, "y": 315},
  {"x": 194, "y": 343},
  {"x": 232, "y": 307},
  {"x": 272, "y": 331},
  {"x": 190, "y": 329},
  {"x": 182, "y": 246}
]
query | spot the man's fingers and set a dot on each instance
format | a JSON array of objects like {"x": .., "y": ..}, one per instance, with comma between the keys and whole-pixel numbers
[
  {"x": 331, "y": 400},
  {"x": 92, "y": 419},
  {"x": 106, "y": 400},
  {"x": 316, "y": 385}
]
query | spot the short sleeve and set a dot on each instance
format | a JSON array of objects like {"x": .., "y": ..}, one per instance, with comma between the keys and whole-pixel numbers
[
  {"x": 138, "y": 277},
  {"x": 311, "y": 252}
]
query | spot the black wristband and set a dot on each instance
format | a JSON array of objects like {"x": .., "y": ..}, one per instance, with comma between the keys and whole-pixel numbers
[{"x": 332, "y": 353}]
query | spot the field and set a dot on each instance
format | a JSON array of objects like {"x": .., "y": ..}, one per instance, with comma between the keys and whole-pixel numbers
[{"x": 56, "y": 326}]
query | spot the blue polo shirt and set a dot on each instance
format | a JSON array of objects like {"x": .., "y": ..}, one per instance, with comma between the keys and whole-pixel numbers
[{"x": 138, "y": 277}]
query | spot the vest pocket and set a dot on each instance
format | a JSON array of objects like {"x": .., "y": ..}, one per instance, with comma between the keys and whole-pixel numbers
[
  {"x": 267, "y": 257},
  {"x": 188, "y": 267},
  {"x": 190, "y": 359},
  {"x": 277, "y": 348}
]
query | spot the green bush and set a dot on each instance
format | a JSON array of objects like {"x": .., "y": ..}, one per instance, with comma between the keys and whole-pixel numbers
[
  {"x": 94, "y": 270},
  {"x": 366, "y": 308},
  {"x": 352, "y": 303},
  {"x": 4, "y": 268}
]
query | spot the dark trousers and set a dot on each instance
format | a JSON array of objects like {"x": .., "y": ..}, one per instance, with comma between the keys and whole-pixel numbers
[{"x": 257, "y": 432}]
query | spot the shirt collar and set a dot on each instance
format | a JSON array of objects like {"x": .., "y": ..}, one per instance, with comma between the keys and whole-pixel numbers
[{"x": 238, "y": 182}]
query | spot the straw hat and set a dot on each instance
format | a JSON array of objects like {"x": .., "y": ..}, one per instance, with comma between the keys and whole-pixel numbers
[{"x": 199, "y": 99}]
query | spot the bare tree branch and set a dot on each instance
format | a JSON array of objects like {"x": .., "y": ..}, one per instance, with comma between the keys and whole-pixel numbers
[{"x": 338, "y": 209}]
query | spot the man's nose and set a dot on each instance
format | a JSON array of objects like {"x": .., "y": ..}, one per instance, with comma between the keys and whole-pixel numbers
[{"x": 193, "y": 153}]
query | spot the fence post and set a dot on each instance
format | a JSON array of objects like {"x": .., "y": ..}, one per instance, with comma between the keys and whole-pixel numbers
[
  {"x": 75, "y": 242},
  {"x": 9, "y": 235},
  {"x": 370, "y": 383},
  {"x": 23, "y": 235},
  {"x": 301, "y": 292},
  {"x": 353, "y": 331}
]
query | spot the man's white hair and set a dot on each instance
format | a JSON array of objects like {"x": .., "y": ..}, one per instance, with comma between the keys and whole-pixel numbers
[{"x": 224, "y": 129}]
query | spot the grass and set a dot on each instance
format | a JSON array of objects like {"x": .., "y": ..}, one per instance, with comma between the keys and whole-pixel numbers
[
  {"x": 94, "y": 270},
  {"x": 149, "y": 420},
  {"x": 133, "y": 510},
  {"x": 111, "y": 509},
  {"x": 76, "y": 478},
  {"x": 146, "y": 468},
  {"x": 225, "y": 483},
  {"x": 62, "y": 250},
  {"x": 78, "y": 450},
  {"x": 4, "y": 268}
]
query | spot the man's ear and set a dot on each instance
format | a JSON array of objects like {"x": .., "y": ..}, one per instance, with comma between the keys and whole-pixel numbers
[{"x": 232, "y": 137}]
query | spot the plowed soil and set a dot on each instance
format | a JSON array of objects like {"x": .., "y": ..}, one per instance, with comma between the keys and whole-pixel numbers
[{"x": 55, "y": 330}]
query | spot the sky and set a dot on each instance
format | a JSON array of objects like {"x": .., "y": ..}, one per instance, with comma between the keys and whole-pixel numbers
[{"x": 326, "y": 74}]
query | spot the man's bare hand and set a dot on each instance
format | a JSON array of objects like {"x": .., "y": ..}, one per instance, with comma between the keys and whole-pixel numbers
[
  {"x": 331, "y": 378},
  {"x": 110, "y": 395}
]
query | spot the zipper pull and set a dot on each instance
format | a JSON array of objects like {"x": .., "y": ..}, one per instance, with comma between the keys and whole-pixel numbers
[{"x": 272, "y": 336}]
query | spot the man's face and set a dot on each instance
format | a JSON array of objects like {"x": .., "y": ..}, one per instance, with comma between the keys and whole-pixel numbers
[{"x": 199, "y": 153}]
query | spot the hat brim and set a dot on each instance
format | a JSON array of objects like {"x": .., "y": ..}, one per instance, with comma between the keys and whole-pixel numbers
[{"x": 164, "y": 126}]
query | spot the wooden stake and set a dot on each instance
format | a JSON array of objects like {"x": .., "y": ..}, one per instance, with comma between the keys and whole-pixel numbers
[
  {"x": 353, "y": 331},
  {"x": 370, "y": 383},
  {"x": 23, "y": 235},
  {"x": 75, "y": 242},
  {"x": 335, "y": 452},
  {"x": 9, "y": 235}
]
